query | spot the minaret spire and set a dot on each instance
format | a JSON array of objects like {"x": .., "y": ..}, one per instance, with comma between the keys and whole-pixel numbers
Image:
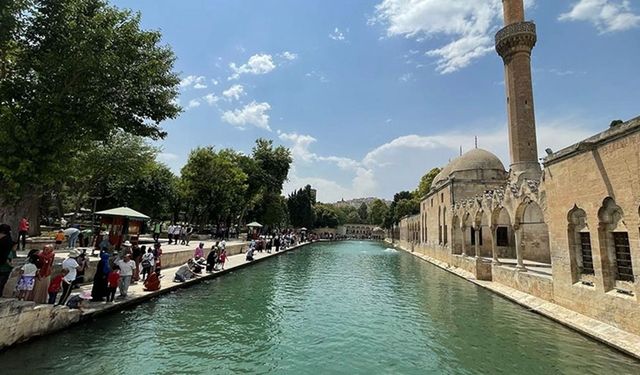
[{"x": 514, "y": 44}]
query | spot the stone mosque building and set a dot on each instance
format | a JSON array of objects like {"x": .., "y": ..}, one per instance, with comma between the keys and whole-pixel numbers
[{"x": 568, "y": 233}]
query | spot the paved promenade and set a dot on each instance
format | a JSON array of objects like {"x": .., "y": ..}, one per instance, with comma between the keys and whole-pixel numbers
[{"x": 137, "y": 294}]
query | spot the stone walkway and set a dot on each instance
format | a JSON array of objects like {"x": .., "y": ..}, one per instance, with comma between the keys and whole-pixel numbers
[
  {"x": 137, "y": 295},
  {"x": 623, "y": 341}
]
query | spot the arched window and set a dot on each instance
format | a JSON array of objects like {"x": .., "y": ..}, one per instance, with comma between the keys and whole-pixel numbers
[
  {"x": 616, "y": 239},
  {"x": 580, "y": 241}
]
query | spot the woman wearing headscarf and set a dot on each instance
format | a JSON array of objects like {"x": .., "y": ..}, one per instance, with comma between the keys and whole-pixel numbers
[
  {"x": 152, "y": 283},
  {"x": 6, "y": 247},
  {"x": 43, "y": 276},
  {"x": 99, "y": 289}
]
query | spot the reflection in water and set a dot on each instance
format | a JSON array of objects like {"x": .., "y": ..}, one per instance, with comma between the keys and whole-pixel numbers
[{"x": 344, "y": 308}]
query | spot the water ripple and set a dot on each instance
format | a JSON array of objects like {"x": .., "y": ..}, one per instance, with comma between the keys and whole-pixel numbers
[{"x": 346, "y": 308}]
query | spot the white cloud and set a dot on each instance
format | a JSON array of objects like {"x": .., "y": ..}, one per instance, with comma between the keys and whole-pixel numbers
[
  {"x": 300, "y": 145},
  {"x": 214, "y": 81},
  {"x": 606, "y": 15},
  {"x": 193, "y": 103},
  {"x": 211, "y": 98},
  {"x": 251, "y": 114},
  {"x": 469, "y": 23},
  {"x": 318, "y": 75},
  {"x": 167, "y": 156},
  {"x": 399, "y": 164},
  {"x": 289, "y": 55},
  {"x": 234, "y": 92},
  {"x": 257, "y": 64},
  {"x": 406, "y": 77},
  {"x": 337, "y": 35},
  {"x": 196, "y": 82}
]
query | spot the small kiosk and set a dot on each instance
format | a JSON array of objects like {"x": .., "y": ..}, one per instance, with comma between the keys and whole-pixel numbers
[
  {"x": 254, "y": 230},
  {"x": 122, "y": 224}
]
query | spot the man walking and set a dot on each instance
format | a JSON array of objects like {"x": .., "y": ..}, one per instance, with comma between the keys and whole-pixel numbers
[
  {"x": 157, "y": 227},
  {"x": 170, "y": 232},
  {"x": 23, "y": 230},
  {"x": 126, "y": 266}
]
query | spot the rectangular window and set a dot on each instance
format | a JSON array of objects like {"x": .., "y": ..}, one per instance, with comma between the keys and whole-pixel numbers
[
  {"x": 473, "y": 236},
  {"x": 585, "y": 249},
  {"x": 623, "y": 256},
  {"x": 502, "y": 236}
]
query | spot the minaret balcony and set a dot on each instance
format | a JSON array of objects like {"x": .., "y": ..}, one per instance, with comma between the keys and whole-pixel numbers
[{"x": 516, "y": 37}]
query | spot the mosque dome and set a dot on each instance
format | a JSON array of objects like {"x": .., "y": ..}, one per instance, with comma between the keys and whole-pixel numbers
[{"x": 476, "y": 159}]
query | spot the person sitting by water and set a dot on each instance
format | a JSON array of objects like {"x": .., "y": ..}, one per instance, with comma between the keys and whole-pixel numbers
[
  {"x": 152, "y": 283},
  {"x": 249, "y": 257},
  {"x": 79, "y": 301},
  {"x": 185, "y": 272},
  {"x": 198, "y": 265}
]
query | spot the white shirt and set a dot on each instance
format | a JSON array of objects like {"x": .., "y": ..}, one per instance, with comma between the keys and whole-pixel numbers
[
  {"x": 170, "y": 229},
  {"x": 70, "y": 265},
  {"x": 29, "y": 269},
  {"x": 126, "y": 268},
  {"x": 176, "y": 229},
  {"x": 69, "y": 231}
]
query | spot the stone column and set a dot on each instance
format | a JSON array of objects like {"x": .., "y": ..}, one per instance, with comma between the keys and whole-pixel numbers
[
  {"x": 477, "y": 239},
  {"x": 464, "y": 241},
  {"x": 494, "y": 244},
  {"x": 518, "y": 234}
]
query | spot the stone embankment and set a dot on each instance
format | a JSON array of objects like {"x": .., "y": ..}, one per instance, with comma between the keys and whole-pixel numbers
[
  {"x": 616, "y": 338},
  {"x": 172, "y": 256},
  {"x": 21, "y": 321}
]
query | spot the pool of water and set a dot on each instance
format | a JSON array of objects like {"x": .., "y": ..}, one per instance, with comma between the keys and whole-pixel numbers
[{"x": 343, "y": 308}]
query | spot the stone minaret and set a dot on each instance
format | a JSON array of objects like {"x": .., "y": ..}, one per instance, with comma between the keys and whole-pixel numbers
[{"x": 514, "y": 43}]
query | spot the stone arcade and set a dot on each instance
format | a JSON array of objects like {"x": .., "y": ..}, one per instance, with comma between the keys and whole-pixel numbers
[{"x": 569, "y": 234}]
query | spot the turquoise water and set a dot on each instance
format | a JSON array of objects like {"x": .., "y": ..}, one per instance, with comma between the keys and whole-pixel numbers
[{"x": 344, "y": 308}]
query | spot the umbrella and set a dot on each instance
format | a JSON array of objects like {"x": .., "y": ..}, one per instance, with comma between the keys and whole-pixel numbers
[
  {"x": 125, "y": 212},
  {"x": 254, "y": 225},
  {"x": 303, "y": 229}
]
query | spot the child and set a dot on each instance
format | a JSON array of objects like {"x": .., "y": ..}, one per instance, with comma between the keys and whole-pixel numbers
[
  {"x": 56, "y": 286},
  {"x": 112, "y": 283},
  {"x": 59, "y": 238},
  {"x": 27, "y": 279},
  {"x": 222, "y": 258}
]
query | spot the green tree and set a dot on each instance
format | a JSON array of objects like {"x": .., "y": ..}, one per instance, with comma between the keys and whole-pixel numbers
[
  {"x": 363, "y": 213},
  {"x": 212, "y": 184},
  {"x": 267, "y": 169},
  {"x": 76, "y": 71},
  {"x": 353, "y": 218},
  {"x": 425, "y": 182},
  {"x": 377, "y": 212},
  {"x": 326, "y": 216},
  {"x": 301, "y": 210},
  {"x": 273, "y": 163},
  {"x": 107, "y": 168}
]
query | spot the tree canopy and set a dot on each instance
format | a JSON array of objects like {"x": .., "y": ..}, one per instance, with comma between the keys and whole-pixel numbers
[{"x": 74, "y": 72}]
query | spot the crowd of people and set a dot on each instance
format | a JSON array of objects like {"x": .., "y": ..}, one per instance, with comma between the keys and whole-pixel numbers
[{"x": 115, "y": 271}]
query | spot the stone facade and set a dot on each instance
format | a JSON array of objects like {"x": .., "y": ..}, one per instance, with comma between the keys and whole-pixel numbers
[{"x": 568, "y": 234}]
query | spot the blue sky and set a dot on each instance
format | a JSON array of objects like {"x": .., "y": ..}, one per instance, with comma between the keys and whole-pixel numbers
[{"x": 371, "y": 94}]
